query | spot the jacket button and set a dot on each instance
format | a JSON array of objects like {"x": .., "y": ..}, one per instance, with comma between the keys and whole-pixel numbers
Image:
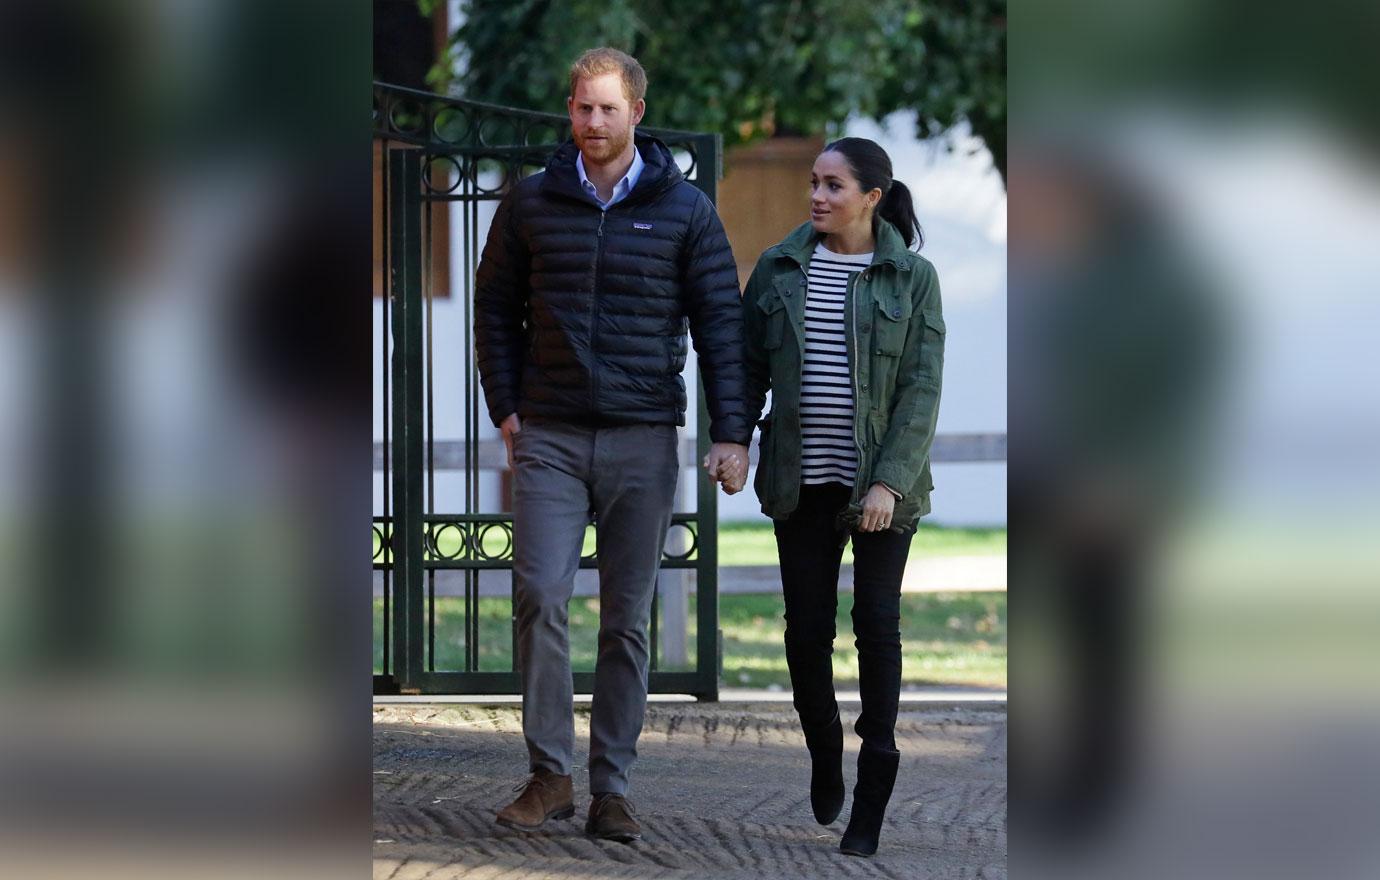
[
  {"x": 864, "y": 388},
  {"x": 895, "y": 313},
  {"x": 867, "y": 276}
]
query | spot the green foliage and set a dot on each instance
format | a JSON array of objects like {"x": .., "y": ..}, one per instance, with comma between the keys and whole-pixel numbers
[
  {"x": 751, "y": 68},
  {"x": 955, "y": 70}
]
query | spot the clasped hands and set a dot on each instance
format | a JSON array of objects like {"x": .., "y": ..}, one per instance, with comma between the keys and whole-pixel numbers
[{"x": 727, "y": 464}]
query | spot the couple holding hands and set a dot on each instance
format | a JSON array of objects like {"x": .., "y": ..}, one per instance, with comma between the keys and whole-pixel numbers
[{"x": 592, "y": 272}]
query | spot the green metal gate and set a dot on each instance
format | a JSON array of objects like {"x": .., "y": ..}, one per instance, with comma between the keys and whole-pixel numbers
[{"x": 434, "y": 151}]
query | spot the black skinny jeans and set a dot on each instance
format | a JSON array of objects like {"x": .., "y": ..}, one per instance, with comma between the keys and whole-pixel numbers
[{"x": 810, "y": 545}]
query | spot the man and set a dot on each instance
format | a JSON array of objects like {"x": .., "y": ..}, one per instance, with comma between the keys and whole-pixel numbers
[{"x": 591, "y": 272}]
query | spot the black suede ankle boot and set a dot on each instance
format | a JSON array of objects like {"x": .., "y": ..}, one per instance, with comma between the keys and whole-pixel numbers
[
  {"x": 826, "y": 769},
  {"x": 876, "y": 777}
]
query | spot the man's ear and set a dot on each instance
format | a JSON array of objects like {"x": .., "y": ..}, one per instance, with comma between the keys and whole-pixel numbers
[{"x": 638, "y": 110}]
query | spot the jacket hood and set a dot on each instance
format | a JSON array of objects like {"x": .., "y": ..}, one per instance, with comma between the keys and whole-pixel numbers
[
  {"x": 799, "y": 245},
  {"x": 659, "y": 172}
]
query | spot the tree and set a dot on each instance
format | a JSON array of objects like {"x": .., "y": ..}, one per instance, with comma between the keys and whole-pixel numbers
[
  {"x": 955, "y": 70},
  {"x": 750, "y": 69}
]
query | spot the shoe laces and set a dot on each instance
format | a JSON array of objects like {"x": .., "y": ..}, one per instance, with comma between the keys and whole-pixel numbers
[
  {"x": 533, "y": 780},
  {"x": 600, "y": 801}
]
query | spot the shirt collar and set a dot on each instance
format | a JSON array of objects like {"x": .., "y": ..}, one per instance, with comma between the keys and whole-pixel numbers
[{"x": 621, "y": 188}]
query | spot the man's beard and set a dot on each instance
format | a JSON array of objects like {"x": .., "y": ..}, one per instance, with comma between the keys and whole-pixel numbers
[{"x": 601, "y": 152}]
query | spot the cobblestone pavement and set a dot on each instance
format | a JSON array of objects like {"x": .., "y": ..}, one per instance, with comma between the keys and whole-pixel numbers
[{"x": 721, "y": 790}]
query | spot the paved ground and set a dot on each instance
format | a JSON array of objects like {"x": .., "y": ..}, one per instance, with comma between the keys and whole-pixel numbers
[{"x": 721, "y": 790}]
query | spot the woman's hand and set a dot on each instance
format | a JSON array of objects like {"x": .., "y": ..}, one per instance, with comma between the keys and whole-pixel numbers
[
  {"x": 877, "y": 509},
  {"x": 727, "y": 464}
]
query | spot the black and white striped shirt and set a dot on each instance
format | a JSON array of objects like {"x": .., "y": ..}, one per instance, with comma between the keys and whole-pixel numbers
[{"x": 828, "y": 451}]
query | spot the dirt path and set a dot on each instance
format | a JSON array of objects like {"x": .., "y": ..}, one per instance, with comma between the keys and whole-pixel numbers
[{"x": 721, "y": 790}]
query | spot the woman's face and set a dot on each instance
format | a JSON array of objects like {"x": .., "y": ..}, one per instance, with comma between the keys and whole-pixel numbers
[{"x": 837, "y": 203}]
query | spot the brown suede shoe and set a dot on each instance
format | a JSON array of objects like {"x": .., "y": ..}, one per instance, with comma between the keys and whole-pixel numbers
[
  {"x": 611, "y": 818},
  {"x": 544, "y": 796}
]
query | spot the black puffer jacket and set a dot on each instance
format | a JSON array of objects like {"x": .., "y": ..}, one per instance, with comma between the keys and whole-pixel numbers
[{"x": 581, "y": 314}]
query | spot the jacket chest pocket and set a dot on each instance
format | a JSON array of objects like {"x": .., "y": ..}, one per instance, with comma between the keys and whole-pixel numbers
[
  {"x": 890, "y": 322},
  {"x": 774, "y": 319}
]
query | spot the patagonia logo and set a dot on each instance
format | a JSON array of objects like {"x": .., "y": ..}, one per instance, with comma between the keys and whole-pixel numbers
[{"x": 637, "y": 225}]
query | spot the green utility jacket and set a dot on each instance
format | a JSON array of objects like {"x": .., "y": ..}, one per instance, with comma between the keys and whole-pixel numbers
[{"x": 895, "y": 333}]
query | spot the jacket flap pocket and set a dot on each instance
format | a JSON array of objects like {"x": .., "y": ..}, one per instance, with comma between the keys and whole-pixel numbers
[
  {"x": 892, "y": 323},
  {"x": 775, "y": 320},
  {"x": 891, "y": 306},
  {"x": 770, "y": 302},
  {"x": 934, "y": 321}
]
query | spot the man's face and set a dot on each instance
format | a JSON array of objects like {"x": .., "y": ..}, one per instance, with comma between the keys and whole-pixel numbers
[{"x": 601, "y": 119}]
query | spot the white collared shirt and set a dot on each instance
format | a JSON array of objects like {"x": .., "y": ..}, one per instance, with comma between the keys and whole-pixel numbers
[{"x": 621, "y": 188}]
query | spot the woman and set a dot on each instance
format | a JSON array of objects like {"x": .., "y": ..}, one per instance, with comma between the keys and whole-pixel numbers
[{"x": 843, "y": 324}]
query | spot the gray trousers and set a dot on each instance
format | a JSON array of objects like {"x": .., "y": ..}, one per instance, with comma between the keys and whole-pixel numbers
[{"x": 625, "y": 477}]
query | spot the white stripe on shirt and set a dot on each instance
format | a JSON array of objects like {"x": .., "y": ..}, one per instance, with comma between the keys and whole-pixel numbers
[{"x": 828, "y": 453}]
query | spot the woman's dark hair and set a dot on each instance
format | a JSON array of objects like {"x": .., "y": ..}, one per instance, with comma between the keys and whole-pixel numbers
[{"x": 872, "y": 167}]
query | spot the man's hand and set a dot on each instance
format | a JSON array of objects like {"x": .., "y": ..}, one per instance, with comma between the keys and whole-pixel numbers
[
  {"x": 877, "y": 508},
  {"x": 727, "y": 463},
  {"x": 510, "y": 427}
]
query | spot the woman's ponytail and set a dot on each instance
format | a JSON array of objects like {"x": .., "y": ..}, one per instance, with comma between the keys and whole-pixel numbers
[{"x": 898, "y": 209}]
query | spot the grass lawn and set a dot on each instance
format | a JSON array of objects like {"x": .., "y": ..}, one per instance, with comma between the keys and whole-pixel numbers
[
  {"x": 754, "y": 543},
  {"x": 946, "y": 638}
]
